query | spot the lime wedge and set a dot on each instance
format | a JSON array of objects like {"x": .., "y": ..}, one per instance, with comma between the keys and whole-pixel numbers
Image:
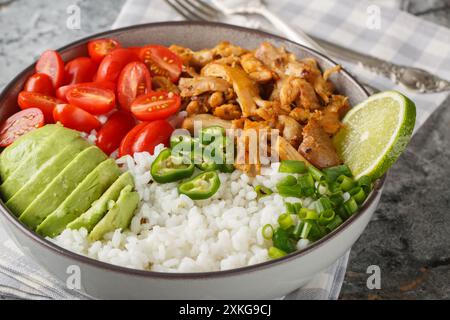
[{"x": 375, "y": 133}]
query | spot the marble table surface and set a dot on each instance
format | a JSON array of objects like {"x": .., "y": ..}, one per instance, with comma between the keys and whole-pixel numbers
[{"x": 408, "y": 237}]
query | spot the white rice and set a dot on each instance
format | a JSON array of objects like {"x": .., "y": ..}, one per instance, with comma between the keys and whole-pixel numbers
[{"x": 172, "y": 233}]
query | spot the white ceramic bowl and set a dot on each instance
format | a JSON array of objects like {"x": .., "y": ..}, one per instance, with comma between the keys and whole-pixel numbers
[{"x": 262, "y": 281}]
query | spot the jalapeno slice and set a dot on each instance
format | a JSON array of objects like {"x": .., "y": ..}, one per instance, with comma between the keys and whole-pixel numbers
[
  {"x": 169, "y": 168},
  {"x": 202, "y": 186},
  {"x": 210, "y": 134}
]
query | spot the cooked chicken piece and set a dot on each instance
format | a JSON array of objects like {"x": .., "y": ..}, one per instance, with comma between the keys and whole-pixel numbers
[
  {"x": 202, "y": 57},
  {"x": 226, "y": 49},
  {"x": 272, "y": 57},
  {"x": 207, "y": 120},
  {"x": 231, "y": 61},
  {"x": 323, "y": 88},
  {"x": 291, "y": 130},
  {"x": 317, "y": 147},
  {"x": 188, "y": 71},
  {"x": 308, "y": 98},
  {"x": 300, "y": 114},
  {"x": 339, "y": 104},
  {"x": 245, "y": 89},
  {"x": 198, "y": 85},
  {"x": 327, "y": 74},
  {"x": 329, "y": 120},
  {"x": 216, "y": 99},
  {"x": 269, "y": 110},
  {"x": 228, "y": 112},
  {"x": 196, "y": 107},
  {"x": 256, "y": 70},
  {"x": 184, "y": 53},
  {"x": 289, "y": 90},
  {"x": 239, "y": 123},
  {"x": 160, "y": 83},
  {"x": 287, "y": 152}
]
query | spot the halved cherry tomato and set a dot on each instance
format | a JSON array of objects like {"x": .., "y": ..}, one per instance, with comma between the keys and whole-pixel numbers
[
  {"x": 38, "y": 100},
  {"x": 134, "y": 80},
  {"x": 136, "y": 50},
  {"x": 112, "y": 132},
  {"x": 161, "y": 61},
  {"x": 75, "y": 118},
  {"x": 111, "y": 66},
  {"x": 93, "y": 99},
  {"x": 40, "y": 83},
  {"x": 155, "y": 105},
  {"x": 99, "y": 48},
  {"x": 62, "y": 91},
  {"x": 52, "y": 65},
  {"x": 151, "y": 135},
  {"x": 80, "y": 70},
  {"x": 20, "y": 123},
  {"x": 126, "y": 145}
]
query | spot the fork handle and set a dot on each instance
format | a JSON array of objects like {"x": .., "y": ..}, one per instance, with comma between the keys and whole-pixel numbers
[{"x": 294, "y": 35}]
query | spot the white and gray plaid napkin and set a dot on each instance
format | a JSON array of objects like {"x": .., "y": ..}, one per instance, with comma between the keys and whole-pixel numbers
[{"x": 401, "y": 38}]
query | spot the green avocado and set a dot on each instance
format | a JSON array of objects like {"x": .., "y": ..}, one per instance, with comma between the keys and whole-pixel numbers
[
  {"x": 36, "y": 159},
  {"x": 62, "y": 186},
  {"x": 119, "y": 216},
  {"x": 99, "y": 208},
  {"x": 23, "y": 198},
  {"x": 89, "y": 190},
  {"x": 18, "y": 152}
]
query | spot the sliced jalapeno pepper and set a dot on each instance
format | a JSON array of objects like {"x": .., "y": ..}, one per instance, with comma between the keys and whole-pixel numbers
[
  {"x": 202, "y": 186},
  {"x": 210, "y": 134},
  {"x": 180, "y": 138},
  {"x": 169, "y": 168}
]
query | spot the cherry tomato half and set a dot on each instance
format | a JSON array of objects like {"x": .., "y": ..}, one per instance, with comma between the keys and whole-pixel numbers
[
  {"x": 20, "y": 123},
  {"x": 80, "y": 70},
  {"x": 38, "y": 100},
  {"x": 99, "y": 48},
  {"x": 93, "y": 99},
  {"x": 62, "y": 91},
  {"x": 52, "y": 65},
  {"x": 134, "y": 80},
  {"x": 112, "y": 132},
  {"x": 111, "y": 66},
  {"x": 151, "y": 135},
  {"x": 155, "y": 105},
  {"x": 126, "y": 145},
  {"x": 161, "y": 61},
  {"x": 40, "y": 83},
  {"x": 75, "y": 118}
]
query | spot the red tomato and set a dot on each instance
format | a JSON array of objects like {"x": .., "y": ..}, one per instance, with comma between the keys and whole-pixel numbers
[
  {"x": 40, "y": 83},
  {"x": 93, "y": 99},
  {"x": 62, "y": 91},
  {"x": 151, "y": 135},
  {"x": 99, "y": 48},
  {"x": 20, "y": 123},
  {"x": 111, "y": 66},
  {"x": 75, "y": 118},
  {"x": 136, "y": 50},
  {"x": 38, "y": 100},
  {"x": 52, "y": 65},
  {"x": 80, "y": 70},
  {"x": 112, "y": 132},
  {"x": 126, "y": 145},
  {"x": 134, "y": 80},
  {"x": 161, "y": 61},
  {"x": 155, "y": 105}
]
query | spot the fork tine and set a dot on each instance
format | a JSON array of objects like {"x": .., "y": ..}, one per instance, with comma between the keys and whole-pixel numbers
[
  {"x": 205, "y": 7},
  {"x": 181, "y": 11},
  {"x": 190, "y": 10}
]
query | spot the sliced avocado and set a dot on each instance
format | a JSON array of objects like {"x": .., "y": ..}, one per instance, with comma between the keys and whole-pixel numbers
[
  {"x": 62, "y": 186},
  {"x": 57, "y": 141},
  {"x": 23, "y": 198},
  {"x": 119, "y": 216},
  {"x": 89, "y": 190},
  {"x": 99, "y": 208},
  {"x": 12, "y": 156}
]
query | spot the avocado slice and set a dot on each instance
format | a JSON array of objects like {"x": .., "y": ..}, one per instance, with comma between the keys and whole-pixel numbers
[
  {"x": 99, "y": 208},
  {"x": 119, "y": 216},
  {"x": 62, "y": 186},
  {"x": 19, "y": 151},
  {"x": 89, "y": 190},
  {"x": 23, "y": 198},
  {"x": 57, "y": 141}
]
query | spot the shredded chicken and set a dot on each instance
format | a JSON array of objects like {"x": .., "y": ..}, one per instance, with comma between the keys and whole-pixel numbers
[
  {"x": 160, "y": 83},
  {"x": 256, "y": 70},
  {"x": 291, "y": 130},
  {"x": 198, "y": 85},
  {"x": 228, "y": 112}
]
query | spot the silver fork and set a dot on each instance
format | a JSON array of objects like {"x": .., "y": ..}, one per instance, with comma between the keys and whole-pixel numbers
[{"x": 414, "y": 79}]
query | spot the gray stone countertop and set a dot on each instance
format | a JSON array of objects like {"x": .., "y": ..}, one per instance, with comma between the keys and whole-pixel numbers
[{"x": 408, "y": 237}]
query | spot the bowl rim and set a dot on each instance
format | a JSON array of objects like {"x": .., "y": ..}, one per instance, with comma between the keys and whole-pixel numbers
[{"x": 195, "y": 275}]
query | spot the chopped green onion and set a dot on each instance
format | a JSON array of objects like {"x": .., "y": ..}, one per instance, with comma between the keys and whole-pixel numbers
[
  {"x": 336, "y": 199},
  {"x": 336, "y": 222},
  {"x": 262, "y": 191},
  {"x": 365, "y": 182},
  {"x": 316, "y": 231},
  {"x": 307, "y": 214},
  {"x": 297, "y": 207},
  {"x": 323, "y": 204},
  {"x": 287, "y": 181},
  {"x": 285, "y": 221},
  {"x": 290, "y": 191},
  {"x": 292, "y": 166},
  {"x": 296, "y": 233},
  {"x": 276, "y": 253},
  {"x": 326, "y": 217},
  {"x": 281, "y": 240},
  {"x": 342, "y": 212},
  {"x": 267, "y": 231},
  {"x": 358, "y": 194},
  {"x": 306, "y": 183},
  {"x": 306, "y": 229},
  {"x": 290, "y": 208},
  {"x": 350, "y": 206},
  {"x": 331, "y": 174},
  {"x": 345, "y": 183},
  {"x": 316, "y": 173}
]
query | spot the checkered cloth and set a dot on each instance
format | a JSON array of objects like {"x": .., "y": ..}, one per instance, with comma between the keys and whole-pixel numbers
[{"x": 401, "y": 38}]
